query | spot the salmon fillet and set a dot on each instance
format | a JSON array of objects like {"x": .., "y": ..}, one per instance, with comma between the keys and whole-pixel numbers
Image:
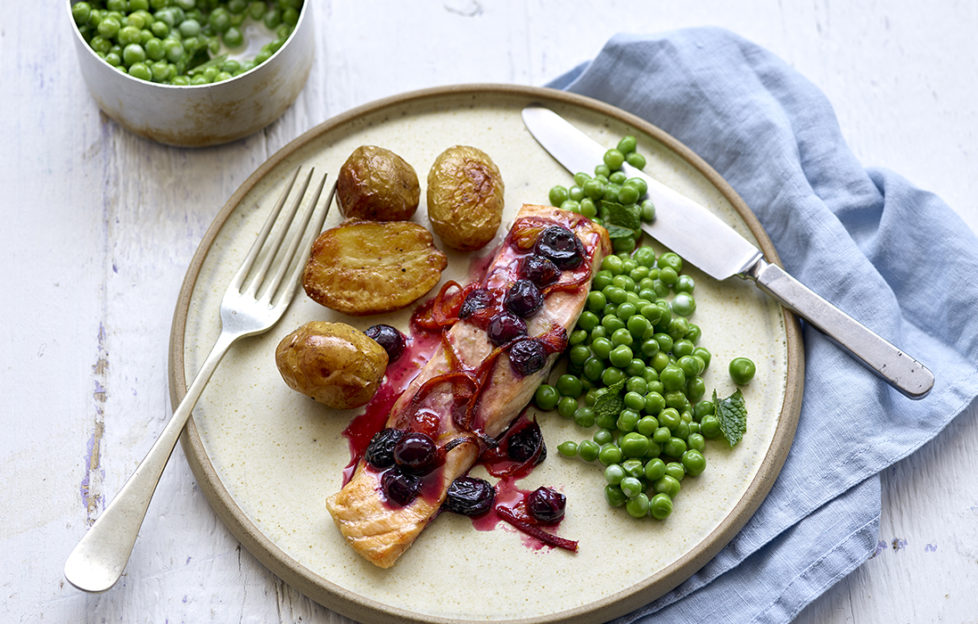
[{"x": 381, "y": 531}]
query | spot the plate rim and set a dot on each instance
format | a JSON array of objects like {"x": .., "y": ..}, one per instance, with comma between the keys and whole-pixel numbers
[{"x": 361, "y": 608}]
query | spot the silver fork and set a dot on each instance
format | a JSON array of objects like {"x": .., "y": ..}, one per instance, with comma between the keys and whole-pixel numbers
[{"x": 254, "y": 301}]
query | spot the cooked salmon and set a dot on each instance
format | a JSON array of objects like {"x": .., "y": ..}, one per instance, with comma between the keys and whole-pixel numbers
[{"x": 464, "y": 421}]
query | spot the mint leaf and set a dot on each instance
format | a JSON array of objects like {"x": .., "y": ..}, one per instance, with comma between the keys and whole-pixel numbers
[
  {"x": 629, "y": 216},
  {"x": 610, "y": 404},
  {"x": 617, "y": 231},
  {"x": 732, "y": 414}
]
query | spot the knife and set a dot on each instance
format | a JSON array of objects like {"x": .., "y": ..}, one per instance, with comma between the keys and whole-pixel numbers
[{"x": 682, "y": 225}]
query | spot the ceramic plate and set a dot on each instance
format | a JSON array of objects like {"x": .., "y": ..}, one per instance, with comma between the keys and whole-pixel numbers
[{"x": 267, "y": 457}]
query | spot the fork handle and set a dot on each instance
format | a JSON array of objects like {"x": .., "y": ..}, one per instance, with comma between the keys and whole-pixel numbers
[{"x": 99, "y": 558}]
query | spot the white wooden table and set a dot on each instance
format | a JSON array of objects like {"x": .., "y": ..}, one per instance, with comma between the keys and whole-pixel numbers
[{"x": 99, "y": 226}]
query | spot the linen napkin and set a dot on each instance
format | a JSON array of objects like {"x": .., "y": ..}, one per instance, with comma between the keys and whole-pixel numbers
[{"x": 894, "y": 257}]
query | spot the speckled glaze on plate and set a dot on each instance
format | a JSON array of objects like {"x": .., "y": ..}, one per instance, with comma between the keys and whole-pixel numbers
[{"x": 267, "y": 457}]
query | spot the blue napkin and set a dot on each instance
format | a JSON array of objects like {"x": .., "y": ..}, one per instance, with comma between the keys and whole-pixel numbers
[{"x": 894, "y": 257}]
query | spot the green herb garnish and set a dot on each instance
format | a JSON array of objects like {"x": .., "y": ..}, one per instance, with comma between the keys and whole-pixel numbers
[{"x": 732, "y": 414}]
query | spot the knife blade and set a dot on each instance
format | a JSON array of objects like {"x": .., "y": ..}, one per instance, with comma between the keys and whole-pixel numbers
[{"x": 683, "y": 225}]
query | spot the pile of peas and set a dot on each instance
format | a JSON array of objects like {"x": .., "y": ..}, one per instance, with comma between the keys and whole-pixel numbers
[
  {"x": 179, "y": 42},
  {"x": 634, "y": 337},
  {"x": 589, "y": 194}
]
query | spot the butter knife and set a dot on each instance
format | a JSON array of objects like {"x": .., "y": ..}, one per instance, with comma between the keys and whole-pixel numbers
[{"x": 682, "y": 225}]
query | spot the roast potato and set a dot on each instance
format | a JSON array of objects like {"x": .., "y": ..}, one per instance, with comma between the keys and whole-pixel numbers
[
  {"x": 465, "y": 197},
  {"x": 334, "y": 363},
  {"x": 377, "y": 185},
  {"x": 367, "y": 267}
]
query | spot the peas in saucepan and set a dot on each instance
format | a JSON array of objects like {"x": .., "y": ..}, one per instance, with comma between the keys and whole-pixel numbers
[{"x": 183, "y": 42}]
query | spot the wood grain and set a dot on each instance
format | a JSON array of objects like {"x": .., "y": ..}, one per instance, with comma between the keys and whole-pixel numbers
[{"x": 99, "y": 226}]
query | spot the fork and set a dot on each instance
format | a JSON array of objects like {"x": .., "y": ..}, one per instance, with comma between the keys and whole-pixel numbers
[{"x": 254, "y": 301}]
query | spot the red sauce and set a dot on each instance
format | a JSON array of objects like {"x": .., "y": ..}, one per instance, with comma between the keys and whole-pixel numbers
[{"x": 402, "y": 372}]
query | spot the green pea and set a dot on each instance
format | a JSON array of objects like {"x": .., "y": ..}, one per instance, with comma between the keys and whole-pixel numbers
[
  {"x": 638, "y": 506},
  {"x": 710, "y": 427},
  {"x": 613, "y": 474},
  {"x": 609, "y": 454},
  {"x": 631, "y": 487},
  {"x": 672, "y": 378},
  {"x": 603, "y": 436},
  {"x": 683, "y": 304},
  {"x": 81, "y": 12},
  {"x": 571, "y": 205},
  {"x": 568, "y": 448},
  {"x": 100, "y": 44},
  {"x": 677, "y": 400},
  {"x": 647, "y": 211},
  {"x": 741, "y": 370},
  {"x": 578, "y": 354},
  {"x": 614, "y": 496},
  {"x": 695, "y": 388},
  {"x": 676, "y": 471},
  {"x": 704, "y": 356},
  {"x": 140, "y": 70},
  {"x": 669, "y": 418},
  {"x": 584, "y": 417},
  {"x": 654, "y": 403},
  {"x": 662, "y": 434},
  {"x": 588, "y": 208},
  {"x": 666, "y": 485},
  {"x": 588, "y": 320},
  {"x": 660, "y": 360},
  {"x": 690, "y": 365},
  {"x": 588, "y": 450},
  {"x": 614, "y": 159},
  {"x": 154, "y": 49},
  {"x": 671, "y": 260},
  {"x": 611, "y": 322},
  {"x": 655, "y": 469},
  {"x": 634, "y": 401},
  {"x": 627, "y": 420},
  {"x": 627, "y": 144},
  {"x": 668, "y": 275},
  {"x": 601, "y": 347},
  {"x": 592, "y": 368},
  {"x": 558, "y": 195},
  {"x": 660, "y": 506},
  {"x": 694, "y": 462},
  {"x": 616, "y": 295},
  {"x": 678, "y": 327},
  {"x": 566, "y": 406},
  {"x": 623, "y": 244},
  {"x": 256, "y": 9},
  {"x": 634, "y": 444},
  {"x": 628, "y": 194},
  {"x": 620, "y": 356},
  {"x": 546, "y": 397},
  {"x": 696, "y": 441},
  {"x": 639, "y": 184},
  {"x": 612, "y": 375},
  {"x": 569, "y": 385},
  {"x": 637, "y": 383},
  {"x": 647, "y": 426},
  {"x": 577, "y": 337},
  {"x": 703, "y": 408}
]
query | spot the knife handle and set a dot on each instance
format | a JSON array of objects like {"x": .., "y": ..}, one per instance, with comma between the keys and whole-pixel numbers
[{"x": 899, "y": 369}]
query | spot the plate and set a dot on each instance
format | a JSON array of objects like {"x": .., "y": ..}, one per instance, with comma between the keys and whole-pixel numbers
[{"x": 267, "y": 457}]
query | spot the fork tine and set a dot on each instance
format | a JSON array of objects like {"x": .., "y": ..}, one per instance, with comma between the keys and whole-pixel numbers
[
  {"x": 257, "y": 277},
  {"x": 287, "y": 259},
  {"x": 249, "y": 260},
  {"x": 299, "y": 260}
]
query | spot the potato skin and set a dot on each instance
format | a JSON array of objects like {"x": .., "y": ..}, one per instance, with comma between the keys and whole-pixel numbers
[
  {"x": 377, "y": 185},
  {"x": 368, "y": 267},
  {"x": 465, "y": 197},
  {"x": 334, "y": 363}
]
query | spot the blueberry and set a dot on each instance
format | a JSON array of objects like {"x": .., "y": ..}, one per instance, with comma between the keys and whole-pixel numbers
[
  {"x": 527, "y": 356},
  {"x": 539, "y": 270},
  {"x": 380, "y": 451},
  {"x": 504, "y": 327},
  {"x": 523, "y": 298},
  {"x": 546, "y": 505},
  {"x": 524, "y": 443},
  {"x": 400, "y": 487},
  {"x": 478, "y": 299},
  {"x": 416, "y": 453},
  {"x": 561, "y": 246},
  {"x": 389, "y": 338},
  {"x": 470, "y": 496}
]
